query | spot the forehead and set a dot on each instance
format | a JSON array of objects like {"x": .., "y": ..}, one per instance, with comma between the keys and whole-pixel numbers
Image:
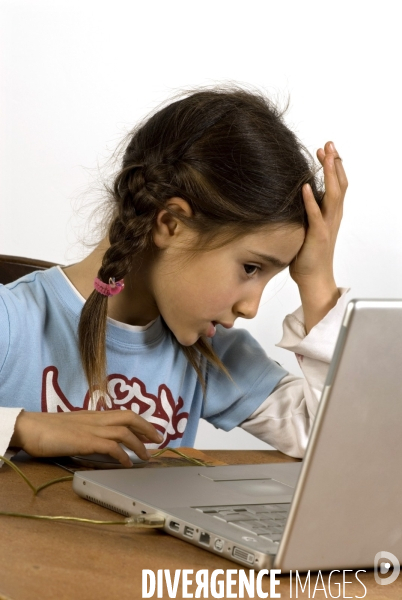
[{"x": 283, "y": 241}]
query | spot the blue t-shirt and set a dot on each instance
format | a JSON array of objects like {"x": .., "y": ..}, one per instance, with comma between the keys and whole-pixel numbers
[{"x": 40, "y": 365}]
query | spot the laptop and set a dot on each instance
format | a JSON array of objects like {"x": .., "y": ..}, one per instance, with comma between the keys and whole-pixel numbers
[{"x": 336, "y": 509}]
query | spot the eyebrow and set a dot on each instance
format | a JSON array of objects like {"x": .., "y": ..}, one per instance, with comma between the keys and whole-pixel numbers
[{"x": 271, "y": 259}]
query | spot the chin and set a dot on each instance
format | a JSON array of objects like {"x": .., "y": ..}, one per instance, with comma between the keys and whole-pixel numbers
[{"x": 186, "y": 340}]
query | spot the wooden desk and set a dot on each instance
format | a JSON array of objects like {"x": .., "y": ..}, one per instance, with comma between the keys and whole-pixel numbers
[{"x": 43, "y": 560}]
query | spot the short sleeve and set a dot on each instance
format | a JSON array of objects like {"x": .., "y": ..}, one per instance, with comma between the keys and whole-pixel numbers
[{"x": 229, "y": 403}]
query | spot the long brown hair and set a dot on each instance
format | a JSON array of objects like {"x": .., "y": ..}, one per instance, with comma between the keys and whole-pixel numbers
[{"x": 229, "y": 154}]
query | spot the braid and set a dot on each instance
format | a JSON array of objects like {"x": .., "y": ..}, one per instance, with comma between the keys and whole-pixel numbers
[{"x": 129, "y": 236}]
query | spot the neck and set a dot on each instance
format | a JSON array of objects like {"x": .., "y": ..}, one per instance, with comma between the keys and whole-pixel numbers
[{"x": 134, "y": 305}]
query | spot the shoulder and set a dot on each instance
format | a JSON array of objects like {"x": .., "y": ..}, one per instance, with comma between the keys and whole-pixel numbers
[
  {"x": 15, "y": 297},
  {"x": 253, "y": 378},
  {"x": 236, "y": 344},
  {"x": 33, "y": 289},
  {"x": 20, "y": 303},
  {"x": 28, "y": 299},
  {"x": 26, "y": 286},
  {"x": 243, "y": 356}
]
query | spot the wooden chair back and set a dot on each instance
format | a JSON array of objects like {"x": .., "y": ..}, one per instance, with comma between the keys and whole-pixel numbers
[{"x": 14, "y": 267}]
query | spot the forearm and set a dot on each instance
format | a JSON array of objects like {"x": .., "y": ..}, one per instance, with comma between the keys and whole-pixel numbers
[
  {"x": 285, "y": 418},
  {"x": 317, "y": 299}
]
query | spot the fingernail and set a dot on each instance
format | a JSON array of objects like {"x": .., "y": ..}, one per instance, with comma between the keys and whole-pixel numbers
[
  {"x": 332, "y": 146},
  {"x": 160, "y": 437}
]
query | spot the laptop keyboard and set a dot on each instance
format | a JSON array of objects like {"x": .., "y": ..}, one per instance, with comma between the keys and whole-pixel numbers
[{"x": 265, "y": 520}]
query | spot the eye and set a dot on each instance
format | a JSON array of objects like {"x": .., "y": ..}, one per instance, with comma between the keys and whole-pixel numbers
[{"x": 251, "y": 269}]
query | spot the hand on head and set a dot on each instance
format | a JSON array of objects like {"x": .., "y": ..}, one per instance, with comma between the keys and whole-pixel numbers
[
  {"x": 314, "y": 261},
  {"x": 312, "y": 268}
]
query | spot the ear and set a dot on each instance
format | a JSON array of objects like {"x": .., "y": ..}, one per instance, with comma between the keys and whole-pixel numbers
[{"x": 168, "y": 228}]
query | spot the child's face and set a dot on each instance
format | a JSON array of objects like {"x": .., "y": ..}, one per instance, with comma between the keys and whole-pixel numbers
[{"x": 194, "y": 291}]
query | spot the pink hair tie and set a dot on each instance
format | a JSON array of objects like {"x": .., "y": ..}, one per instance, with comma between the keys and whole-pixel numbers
[{"x": 109, "y": 289}]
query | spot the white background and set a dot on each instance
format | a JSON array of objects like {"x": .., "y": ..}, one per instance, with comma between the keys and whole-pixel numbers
[{"x": 77, "y": 74}]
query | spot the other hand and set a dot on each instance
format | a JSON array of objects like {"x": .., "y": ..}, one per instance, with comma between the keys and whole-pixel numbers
[
  {"x": 312, "y": 269},
  {"x": 84, "y": 432},
  {"x": 315, "y": 260}
]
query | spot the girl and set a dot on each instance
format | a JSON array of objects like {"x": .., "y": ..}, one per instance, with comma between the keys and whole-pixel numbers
[{"x": 214, "y": 197}]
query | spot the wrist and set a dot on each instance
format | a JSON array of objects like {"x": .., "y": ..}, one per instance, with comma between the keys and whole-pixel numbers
[{"x": 317, "y": 300}]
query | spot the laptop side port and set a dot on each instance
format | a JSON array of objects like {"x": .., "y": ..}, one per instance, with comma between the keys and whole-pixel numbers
[
  {"x": 174, "y": 525},
  {"x": 243, "y": 555},
  {"x": 219, "y": 544},
  {"x": 188, "y": 531},
  {"x": 204, "y": 538}
]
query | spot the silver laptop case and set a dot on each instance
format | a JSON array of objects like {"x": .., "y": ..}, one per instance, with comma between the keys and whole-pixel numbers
[{"x": 347, "y": 503}]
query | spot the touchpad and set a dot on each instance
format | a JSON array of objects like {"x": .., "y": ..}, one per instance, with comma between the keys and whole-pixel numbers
[{"x": 257, "y": 487}]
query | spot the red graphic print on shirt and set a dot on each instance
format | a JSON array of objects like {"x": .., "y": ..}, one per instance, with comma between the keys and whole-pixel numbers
[{"x": 124, "y": 394}]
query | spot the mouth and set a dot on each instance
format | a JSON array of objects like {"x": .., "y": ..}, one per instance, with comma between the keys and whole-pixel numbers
[{"x": 212, "y": 327}]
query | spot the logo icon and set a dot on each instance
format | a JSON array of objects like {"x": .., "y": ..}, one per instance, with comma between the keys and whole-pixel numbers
[{"x": 384, "y": 562}]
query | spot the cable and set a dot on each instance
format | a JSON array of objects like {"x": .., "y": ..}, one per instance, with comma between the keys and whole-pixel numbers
[
  {"x": 195, "y": 461},
  {"x": 31, "y": 485},
  {"x": 17, "y": 470},
  {"x": 151, "y": 521}
]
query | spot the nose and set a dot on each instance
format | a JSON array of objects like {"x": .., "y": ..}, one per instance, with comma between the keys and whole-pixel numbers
[{"x": 247, "y": 307}]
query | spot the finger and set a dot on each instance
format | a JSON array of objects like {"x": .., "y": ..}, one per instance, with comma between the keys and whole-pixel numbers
[
  {"x": 340, "y": 171},
  {"x": 337, "y": 170},
  {"x": 321, "y": 155},
  {"x": 143, "y": 438},
  {"x": 150, "y": 433},
  {"x": 104, "y": 446},
  {"x": 127, "y": 418},
  {"x": 329, "y": 149},
  {"x": 314, "y": 214},
  {"x": 125, "y": 436},
  {"x": 333, "y": 193}
]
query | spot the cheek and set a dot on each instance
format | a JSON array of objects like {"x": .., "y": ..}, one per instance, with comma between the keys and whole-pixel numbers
[
  {"x": 218, "y": 300},
  {"x": 200, "y": 289}
]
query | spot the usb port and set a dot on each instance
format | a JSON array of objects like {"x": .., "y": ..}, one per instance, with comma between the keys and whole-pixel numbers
[
  {"x": 173, "y": 525},
  {"x": 188, "y": 531},
  {"x": 204, "y": 538}
]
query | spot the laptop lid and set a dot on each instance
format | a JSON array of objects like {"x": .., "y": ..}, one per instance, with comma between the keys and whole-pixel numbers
[{"x": 347, "y": 503}]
